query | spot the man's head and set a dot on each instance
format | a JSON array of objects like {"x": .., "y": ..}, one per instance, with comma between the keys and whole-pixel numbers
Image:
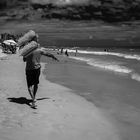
[{"x": 35, "y": 38}]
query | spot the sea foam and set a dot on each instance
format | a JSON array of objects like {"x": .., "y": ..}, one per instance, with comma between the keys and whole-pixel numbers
[
  {"x": 123, "y": 55},
  {"x": 111, "y": 66},
  {"x": 135, "y": 76}
]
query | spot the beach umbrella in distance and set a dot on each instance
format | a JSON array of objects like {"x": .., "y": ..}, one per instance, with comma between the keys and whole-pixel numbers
[{"x": 9, "y": 42}]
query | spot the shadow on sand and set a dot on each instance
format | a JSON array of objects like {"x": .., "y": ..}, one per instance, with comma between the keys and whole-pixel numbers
[{"x": 23, "y": 100}]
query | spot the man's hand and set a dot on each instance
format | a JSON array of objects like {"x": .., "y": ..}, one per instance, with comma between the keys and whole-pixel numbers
[
  {"x": 24, "y": 59},
  {"x": 55, "y": 59}
]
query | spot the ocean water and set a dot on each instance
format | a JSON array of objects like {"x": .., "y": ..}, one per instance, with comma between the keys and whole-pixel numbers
[{"x": 124, "y": 62}]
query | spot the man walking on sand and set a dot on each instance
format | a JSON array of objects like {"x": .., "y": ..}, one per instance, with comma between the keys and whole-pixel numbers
[{"x": 33, "y": 67}]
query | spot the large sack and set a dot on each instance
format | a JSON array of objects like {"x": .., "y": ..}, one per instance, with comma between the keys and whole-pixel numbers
[
  {"x": 26, "y": 38},
  {"x": 27, "y": 49}
]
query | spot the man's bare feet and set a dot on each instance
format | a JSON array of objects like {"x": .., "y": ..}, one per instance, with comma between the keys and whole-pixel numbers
[{"x": 33, "y": 105}]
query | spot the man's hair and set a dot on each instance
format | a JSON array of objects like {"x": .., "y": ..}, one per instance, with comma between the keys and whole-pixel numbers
[{"x": 35, "y": 38}]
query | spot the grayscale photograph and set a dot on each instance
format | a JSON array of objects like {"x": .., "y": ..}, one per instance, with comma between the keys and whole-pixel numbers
[{"x": 69, "y": 69}]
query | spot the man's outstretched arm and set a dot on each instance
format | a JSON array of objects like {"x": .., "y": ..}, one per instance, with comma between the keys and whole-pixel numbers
[{"x": 49, "y": 55}]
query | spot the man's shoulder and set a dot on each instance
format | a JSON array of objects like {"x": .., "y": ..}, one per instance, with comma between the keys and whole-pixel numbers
[{"x": 41, "y": 50}]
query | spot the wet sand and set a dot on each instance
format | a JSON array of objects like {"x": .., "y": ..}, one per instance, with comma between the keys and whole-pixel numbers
[
  {"x": 61, "y": 114},
  {"x": 117, "y": 96}
]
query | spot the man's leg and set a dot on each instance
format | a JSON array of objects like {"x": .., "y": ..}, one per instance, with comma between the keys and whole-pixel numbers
[
  {"x": 30, "y": 89},
  {"x": 29, "y": 83},
  {"x": 35, "y": 88}
]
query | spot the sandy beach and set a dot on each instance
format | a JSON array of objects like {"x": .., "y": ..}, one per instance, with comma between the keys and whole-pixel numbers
[
  {"x": 61, "y": 114},
  {"x": 75, "y": 101}
]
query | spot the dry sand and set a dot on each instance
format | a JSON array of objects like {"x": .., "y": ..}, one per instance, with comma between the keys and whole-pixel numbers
[{"x": 61, "y": 115}]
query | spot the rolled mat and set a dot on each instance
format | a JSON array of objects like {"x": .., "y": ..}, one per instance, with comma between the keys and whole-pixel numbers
[
  {"x": 26, "y": 38},
  {"x": 27, "y": 49}
]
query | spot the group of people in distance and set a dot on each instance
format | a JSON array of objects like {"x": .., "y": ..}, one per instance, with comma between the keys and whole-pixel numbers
[
  {"x": 66, "y": 52},
  {"x": 8, "y": 43},
  {"x": 8, "y": 48}
]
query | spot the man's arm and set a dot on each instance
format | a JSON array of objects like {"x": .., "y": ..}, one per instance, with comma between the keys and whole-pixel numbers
[{"x": 43, "y": 52}]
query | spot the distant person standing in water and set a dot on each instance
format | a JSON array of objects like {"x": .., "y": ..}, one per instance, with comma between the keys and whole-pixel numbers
[
  {"x": 76, "y": 51},
  {"x": 33, "y": 68},
  {"x": 66, "y": 53},
  {"x": 61, "y": 52}
]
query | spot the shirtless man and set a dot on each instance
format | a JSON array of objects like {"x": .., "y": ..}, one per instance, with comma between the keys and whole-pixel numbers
[{"x": 33, "y": 67}]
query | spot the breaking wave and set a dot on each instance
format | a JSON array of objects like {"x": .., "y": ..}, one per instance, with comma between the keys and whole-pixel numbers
[{"x": 110, "y": 66}]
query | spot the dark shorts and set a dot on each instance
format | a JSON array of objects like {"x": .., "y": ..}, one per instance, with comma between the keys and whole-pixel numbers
[{"x": 32, "y": 77}]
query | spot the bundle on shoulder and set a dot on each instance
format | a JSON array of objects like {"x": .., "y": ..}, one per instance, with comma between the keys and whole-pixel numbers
[
  {"x": 27, "y": 49},
  {"x": 26, "y": 38}
]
